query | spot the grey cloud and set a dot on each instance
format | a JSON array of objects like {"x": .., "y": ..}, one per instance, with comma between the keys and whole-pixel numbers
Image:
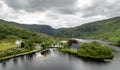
[
  {"x": 69, "y": 10},
  {"x": 99, "y": 7},
  {"x": 0, "y": 5},
  {"x": 104, "y": 8},
  {"x": 53, "y": 16},
  {"x": 59, "y": 12},
  {"x": 6, "y": 13},
  {"x": 64, "y": 6}
]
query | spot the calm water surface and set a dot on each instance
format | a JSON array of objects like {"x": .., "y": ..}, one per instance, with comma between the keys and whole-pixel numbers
[{"x": 55, "y": 60}]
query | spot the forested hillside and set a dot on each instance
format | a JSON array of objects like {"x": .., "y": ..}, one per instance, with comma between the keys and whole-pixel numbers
[
  {"x": 108, "y": 30},
  {"x": 10, "y": 31},
  {"x": 105, "y": 29},
  {"x": 40, "y": 28},
  {"x": 45, "y": 29}
]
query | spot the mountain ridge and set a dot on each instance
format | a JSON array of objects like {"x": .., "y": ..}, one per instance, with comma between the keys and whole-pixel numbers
[
  {"x": 108, "y": 29},
  {"x": 12, "y": 31}
]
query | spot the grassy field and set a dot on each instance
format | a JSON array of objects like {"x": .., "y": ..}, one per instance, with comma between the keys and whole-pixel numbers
[{"x": 5, "y": 46}]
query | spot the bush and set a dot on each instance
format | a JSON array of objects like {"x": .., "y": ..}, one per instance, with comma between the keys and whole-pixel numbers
[
  {"x": 96, "y": 43},
  {"x": 118, "y": 43},
  {"x": 2, "y": 54},
  {"x": 12, "y": 52},
  {"x": 95, "y": 50},
  {"x": 68, "y": 51}
]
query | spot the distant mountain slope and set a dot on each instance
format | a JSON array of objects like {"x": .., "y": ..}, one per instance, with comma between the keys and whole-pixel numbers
[
  {"x": 9, "y": 30},
  {"x": 41, "y": 28},
  {"x": 45, "y": 29},
  {"x": 108, "y": 29}
]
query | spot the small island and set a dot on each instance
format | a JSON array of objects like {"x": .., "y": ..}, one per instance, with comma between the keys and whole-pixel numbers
[{"x": 92, "y": 50}]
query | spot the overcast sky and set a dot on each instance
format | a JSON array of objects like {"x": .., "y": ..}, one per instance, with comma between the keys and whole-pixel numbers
[{"x": 58, "y": 13}]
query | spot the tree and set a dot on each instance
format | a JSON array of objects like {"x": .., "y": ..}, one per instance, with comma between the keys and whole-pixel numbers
[
  {"x": 22, "y": 45},
  {"x": 29, "y": 45},
  {"x": 43, "y": 45},
  {"x": 70, "y": 42}
]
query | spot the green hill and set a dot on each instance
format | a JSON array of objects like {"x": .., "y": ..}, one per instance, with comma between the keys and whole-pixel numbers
[
  {"x": 40, "y": 28},
  {"x": 108, "y": 29},
  {"x": 11, "y": 31},
  {"x": 45, "y": 29}
]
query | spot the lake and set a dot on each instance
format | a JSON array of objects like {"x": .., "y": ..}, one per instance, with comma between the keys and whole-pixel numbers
[{"x": 52, "y": 59}]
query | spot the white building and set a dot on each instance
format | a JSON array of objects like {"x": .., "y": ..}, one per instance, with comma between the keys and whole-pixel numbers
[
  {"x": 18, "y": 42},
  {"x": 63, "y": 41}
]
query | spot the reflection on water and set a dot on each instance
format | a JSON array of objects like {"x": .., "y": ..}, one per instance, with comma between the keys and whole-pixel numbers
[
  {"x": 55, "y": 60},
  {"x": 45, "y": 52},
  {"x": 43, "y": 55},
  {"x": 15, "y": 60},
  {"x": 3, "y": 64},
  {"x": 30, "y": 57}
]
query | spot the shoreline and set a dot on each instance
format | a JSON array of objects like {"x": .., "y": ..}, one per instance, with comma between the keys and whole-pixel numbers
[
  {"x": 87, "y": 58},
  {"x": 21, "y": 54}
]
